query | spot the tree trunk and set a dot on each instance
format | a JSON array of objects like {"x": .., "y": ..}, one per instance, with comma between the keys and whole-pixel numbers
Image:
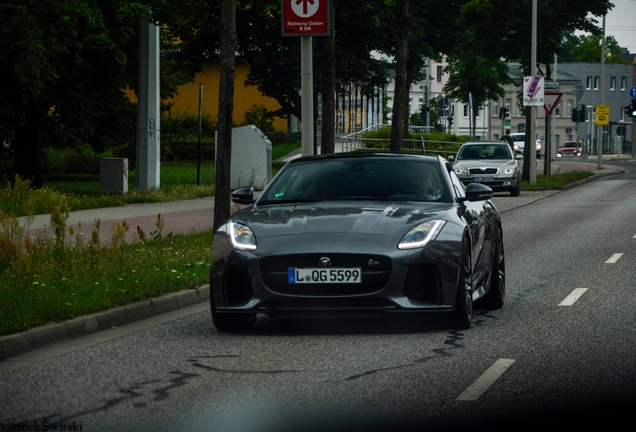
[
  {"x": 226, "y": 109},
  {"x": 28, "y": 147},
  {"x": 400, "y": 94},
  {"x": 327, "y": 66}
]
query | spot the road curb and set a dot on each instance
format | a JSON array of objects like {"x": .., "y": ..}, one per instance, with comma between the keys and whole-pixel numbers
[{"x": 49, "y": 334}]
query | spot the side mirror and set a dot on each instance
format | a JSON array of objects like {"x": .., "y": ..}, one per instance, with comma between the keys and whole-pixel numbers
[
  {"x": 518, "y": 156},
  {"x": 477, "y": 192},
  {"x": 243, "y": 195},
  {"x": 451, "y": 158}
]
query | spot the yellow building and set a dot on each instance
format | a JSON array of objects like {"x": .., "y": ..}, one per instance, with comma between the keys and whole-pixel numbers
[{"x": 244, "y": 97}]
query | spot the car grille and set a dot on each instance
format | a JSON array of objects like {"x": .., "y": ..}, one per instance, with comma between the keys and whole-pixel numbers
[
  {"x": 376, "y": 270},
  {"x": 479, "y": 171}
]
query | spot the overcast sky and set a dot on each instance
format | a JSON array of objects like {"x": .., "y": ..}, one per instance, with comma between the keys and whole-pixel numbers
[{"x": 621, "y": 23}]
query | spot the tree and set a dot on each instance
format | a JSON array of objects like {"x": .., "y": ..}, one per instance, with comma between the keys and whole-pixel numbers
[
  {"x": 65, "y": 65},
  {"x": 473, "y": 74},
  {"x": 397, "y": 20},
  {"x": 587, "y": 48},
  {"x": 226, "y": 108}
]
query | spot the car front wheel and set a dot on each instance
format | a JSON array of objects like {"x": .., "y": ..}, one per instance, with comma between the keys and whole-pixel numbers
[
  {"x": 464, "y": 302},
  {"x": 494, "y": 299}
]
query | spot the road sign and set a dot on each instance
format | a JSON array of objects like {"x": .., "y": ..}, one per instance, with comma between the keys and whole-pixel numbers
[
  {"x": 632, "y": 92},
  {"x": 533, "y": 89},
  {"x": 305, "y": 18},
  {"x": 602, "y": 115},
  {"x": 551, "y": 100},
  {"x": 552, "y": 86}
]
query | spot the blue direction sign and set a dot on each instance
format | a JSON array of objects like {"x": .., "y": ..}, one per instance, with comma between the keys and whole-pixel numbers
[{"x": 632, "y": 92}]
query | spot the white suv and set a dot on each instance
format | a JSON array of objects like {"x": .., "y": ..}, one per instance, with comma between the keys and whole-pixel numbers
[{"x": 520, "y": 141}]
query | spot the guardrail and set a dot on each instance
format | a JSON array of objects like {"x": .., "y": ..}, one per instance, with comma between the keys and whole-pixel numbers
[{"x": 356, "y": 142}]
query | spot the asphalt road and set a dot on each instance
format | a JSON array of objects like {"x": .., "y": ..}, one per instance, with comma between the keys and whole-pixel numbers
[{"x": 562, "y": 349}]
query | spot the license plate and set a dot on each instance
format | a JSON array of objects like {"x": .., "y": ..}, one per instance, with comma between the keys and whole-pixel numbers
[
  {"x": 324, "y": 275},
  {"x": 481, "y": 179}
]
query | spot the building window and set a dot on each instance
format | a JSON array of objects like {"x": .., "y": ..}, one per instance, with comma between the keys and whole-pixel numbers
[
  {"x": 508, "y": 104},
  {"x": 588, "y": 83},
  {"x": 465, "y": 110},
  {"x": 613, "y": 83},
  {"x": 557, "y": 110},
  {"x": 597, "y": 80},
  {"x": 570, "y": 105},
  {"x": 495, "y": 108},
  {"x": 623, "y": 83},
  {"x": 439, "y": 74}
]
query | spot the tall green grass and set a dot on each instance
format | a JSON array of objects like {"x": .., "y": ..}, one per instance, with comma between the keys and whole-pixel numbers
[{"x": 55, "y": 278}]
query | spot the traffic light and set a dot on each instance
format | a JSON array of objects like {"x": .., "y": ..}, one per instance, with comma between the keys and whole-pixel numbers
[
  {"x": 503, "y": 112},
  {"x": 582, "y": 114},
  {"x": 450, "y": 121},
  {"x": 632, "y": 108},
  {"x": 575, "y": 115}
]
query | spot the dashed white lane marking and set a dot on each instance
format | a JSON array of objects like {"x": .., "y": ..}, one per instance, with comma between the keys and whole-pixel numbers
[
  {"x": 614, "y": 258},
  {"x": 574, "y": 296},
  {"x": 482, "y": 383}
]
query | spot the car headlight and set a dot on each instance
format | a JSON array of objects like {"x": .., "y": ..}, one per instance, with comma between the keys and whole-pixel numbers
[
  {"x": 241, "y": 236},
  {"x": 460, "y": 171},
  {"x": 516, "y": 147},
  {"x": 508, "y": 171},
  {"x": 421, "y": 235}
]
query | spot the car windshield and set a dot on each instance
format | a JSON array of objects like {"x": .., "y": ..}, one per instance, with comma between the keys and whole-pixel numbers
[
  {"x": 376, "y": 178},
  {"x": 486, "y": 151}
]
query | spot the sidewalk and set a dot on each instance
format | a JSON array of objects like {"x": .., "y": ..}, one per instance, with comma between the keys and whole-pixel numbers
[{"x": 182, "y": 217}]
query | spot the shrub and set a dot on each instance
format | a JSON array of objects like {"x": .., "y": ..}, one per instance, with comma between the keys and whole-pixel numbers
[{"x": 79, "y": 160}]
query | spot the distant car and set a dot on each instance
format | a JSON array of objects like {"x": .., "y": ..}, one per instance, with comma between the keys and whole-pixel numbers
[
  {"x": 491, "y": 163},
  {"x": 569, "y": 149},
  {"x": 520, "y": 144},
  {"x": 358, "y": 234}
]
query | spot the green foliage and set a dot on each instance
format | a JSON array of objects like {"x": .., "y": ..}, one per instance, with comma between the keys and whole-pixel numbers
[
  {"x": 79, "y": 160},
  {"x": 50, "y": 279},
  {"x": 587, "y": 48},
  {"x": 180, "y": 136},
  {"x": 82, "y": 192},
  {"x": 259, "y": 116},
  {"x": 556, "y": 181}
]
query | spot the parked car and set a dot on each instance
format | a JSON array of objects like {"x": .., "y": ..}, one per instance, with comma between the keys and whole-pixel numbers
[
  {"x": 491, "y": 163},
  {"x": 358, "y": 234},
  {"x": 570, "y": 149},
  {"x": 520, "y": 144}
]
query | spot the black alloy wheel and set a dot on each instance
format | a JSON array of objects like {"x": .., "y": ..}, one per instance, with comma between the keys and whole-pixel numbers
[
  {"x": 464, "y": 302},
  {"x": 496, "y": 297}
]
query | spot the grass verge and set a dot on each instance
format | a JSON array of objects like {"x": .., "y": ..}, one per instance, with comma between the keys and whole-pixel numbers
[
  {"x": 556, "y": 181},
  {"x": 53, "y": 279}
]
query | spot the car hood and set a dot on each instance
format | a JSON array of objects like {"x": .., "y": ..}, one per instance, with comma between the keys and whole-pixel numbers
[
  {"x": 329, "y": 217},
  {"x": 486, "y": 163}
]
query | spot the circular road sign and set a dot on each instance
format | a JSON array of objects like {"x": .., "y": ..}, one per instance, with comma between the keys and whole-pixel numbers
[{"x": 632, "y": 92}]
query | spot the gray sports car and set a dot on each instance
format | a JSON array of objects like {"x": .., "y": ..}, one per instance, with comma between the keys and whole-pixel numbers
[
  {"x": 358, "y": 234},
  {"x": 492, "y": 163}
]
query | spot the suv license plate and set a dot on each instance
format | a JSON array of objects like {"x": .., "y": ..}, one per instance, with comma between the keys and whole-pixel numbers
[{"x": 324, "y": 275}]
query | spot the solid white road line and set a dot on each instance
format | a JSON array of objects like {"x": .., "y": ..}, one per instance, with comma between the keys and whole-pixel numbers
[
  {"x": 614, "y": 258},
  {"x": 574, "y": 296},
  {"x": 482, "y": 383}
]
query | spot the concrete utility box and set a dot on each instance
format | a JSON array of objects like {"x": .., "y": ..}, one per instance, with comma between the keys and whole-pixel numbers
[
  {"x": 251, "y": 158},
  {"x": 113, "y": 175}
]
